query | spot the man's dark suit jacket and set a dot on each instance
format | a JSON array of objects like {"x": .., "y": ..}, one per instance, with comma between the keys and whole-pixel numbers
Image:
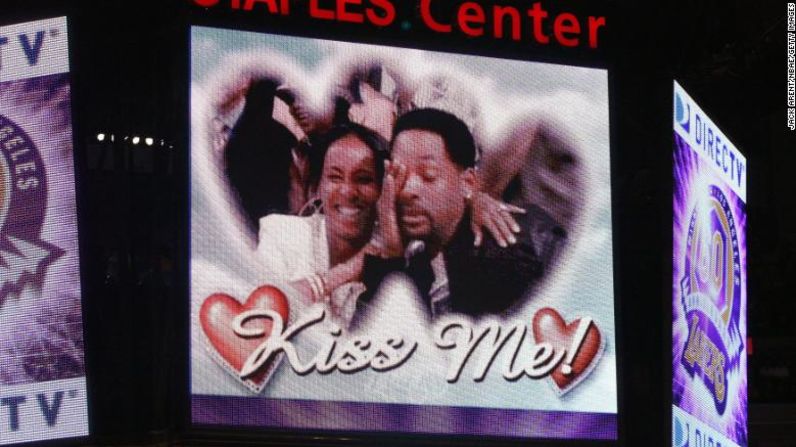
[{"x": 482, "y": 280}]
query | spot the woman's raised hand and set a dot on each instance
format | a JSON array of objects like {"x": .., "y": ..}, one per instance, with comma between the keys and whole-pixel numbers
[
  {"x": 387, "y": 241},
  {"x": 496, "y": 217}
]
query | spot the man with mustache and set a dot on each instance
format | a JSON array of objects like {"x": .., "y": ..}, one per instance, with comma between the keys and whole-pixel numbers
[{"x": 424, "y": 208}]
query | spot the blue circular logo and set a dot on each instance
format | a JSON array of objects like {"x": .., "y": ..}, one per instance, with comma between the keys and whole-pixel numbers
[{"x": 712, "y": 260}]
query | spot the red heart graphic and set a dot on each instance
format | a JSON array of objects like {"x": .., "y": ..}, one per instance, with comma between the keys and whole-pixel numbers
[
  {"x": 216, "y": 317},
  {"x": 550, "y": 327}
]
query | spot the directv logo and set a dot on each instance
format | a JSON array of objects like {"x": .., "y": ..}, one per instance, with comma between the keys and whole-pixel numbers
[
  {"x": 702, "y": 135},
  {"x": 688, "y": 431},
  {"x": 682, "y": 113},
  {"x": 680, "y": 435}
]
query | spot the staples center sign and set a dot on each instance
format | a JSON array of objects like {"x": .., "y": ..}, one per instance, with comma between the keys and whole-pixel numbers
[{"x": 470, "y": 18}]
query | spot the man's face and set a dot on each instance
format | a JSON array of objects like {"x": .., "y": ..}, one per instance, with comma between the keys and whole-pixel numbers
[{"x": 432, "y": 201}]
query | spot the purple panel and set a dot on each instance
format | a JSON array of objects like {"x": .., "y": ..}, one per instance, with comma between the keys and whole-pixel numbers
[
  {"x": 709, "y": 296},
  {"x": 41, "y": 335},
  {"x": 370, "y": 417}
]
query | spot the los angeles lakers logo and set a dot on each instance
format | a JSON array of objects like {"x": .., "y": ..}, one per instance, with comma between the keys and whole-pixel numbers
[
  {"x": 24, "y": 256},
  {"x": 711, "y": 294}
]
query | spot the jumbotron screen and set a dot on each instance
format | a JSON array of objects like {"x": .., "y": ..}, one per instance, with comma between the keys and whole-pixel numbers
[
  {"x": 398, "y": 240},
  {"x": 709, "y": 284},
  {"x": 42, "y": 369}
]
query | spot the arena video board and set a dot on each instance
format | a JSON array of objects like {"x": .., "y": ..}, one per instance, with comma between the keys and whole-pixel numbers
[
  {"x": 709, "y": 284},
  {"x": 42, "y": 368},
  {"x": 353, "y": 266}
]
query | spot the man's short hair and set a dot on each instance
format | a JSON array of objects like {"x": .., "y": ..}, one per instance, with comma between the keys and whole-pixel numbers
[{"x": 459, "y": 141}]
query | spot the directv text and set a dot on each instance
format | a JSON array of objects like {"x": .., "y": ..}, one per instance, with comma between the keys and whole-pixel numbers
[
  {"x": 40, "y": 409},
  {"x": 29, "y": 50},
  {"x": 30, "y": 44}
]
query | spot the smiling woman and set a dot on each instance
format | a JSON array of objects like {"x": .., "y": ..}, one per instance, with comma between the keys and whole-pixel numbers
[
  {"x": 322, "y": 254},
  {"x": 349, "y": 189}
]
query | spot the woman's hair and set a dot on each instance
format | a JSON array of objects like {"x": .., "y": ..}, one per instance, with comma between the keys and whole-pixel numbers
[{"x": 320, "y": 146}]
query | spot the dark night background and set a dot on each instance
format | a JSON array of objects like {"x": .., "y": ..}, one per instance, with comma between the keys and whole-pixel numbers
[{"x": 130, "y": 72}]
